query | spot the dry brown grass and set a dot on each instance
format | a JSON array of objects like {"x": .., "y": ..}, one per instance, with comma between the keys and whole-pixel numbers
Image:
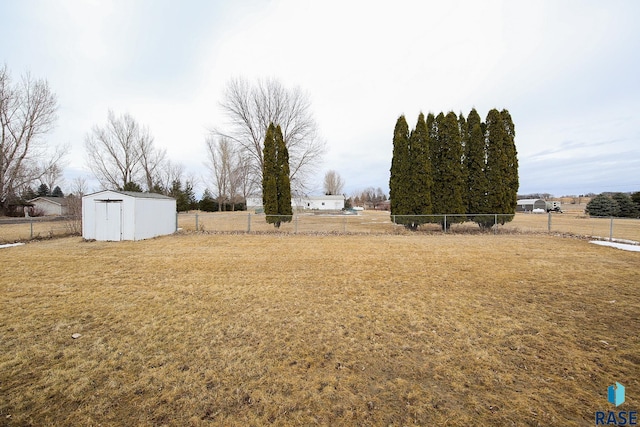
[
  {"x": 41, "y": 229},
  {"x": 304, "y": 330}
]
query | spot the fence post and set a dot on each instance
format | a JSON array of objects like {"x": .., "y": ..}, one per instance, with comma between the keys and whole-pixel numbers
[
  {"x": 394, "y": 218},
  {"x": 295, "y": 220},
  {"x": 197, "y": 221},
  {"x": 611, "y": 230},
  {"x": 445, "y": 223},
  {"x": 31, "y": 226},
  {"x": 549, "y": 223},
  {"x": 248, "y": 222},
  {"x": 495, "y": 223}
]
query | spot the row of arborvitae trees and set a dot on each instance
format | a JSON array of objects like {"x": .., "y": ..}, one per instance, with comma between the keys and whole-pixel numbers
[{"x": 454, "y": 166}]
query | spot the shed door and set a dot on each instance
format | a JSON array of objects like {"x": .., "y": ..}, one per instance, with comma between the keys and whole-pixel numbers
[{"x": 109, "y": 220}]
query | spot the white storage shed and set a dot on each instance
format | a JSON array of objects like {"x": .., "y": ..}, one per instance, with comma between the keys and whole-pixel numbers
[{"x": 126, "y": 215}]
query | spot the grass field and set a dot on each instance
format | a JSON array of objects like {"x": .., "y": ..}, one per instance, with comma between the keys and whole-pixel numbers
[{"x": 260, "y": 329}]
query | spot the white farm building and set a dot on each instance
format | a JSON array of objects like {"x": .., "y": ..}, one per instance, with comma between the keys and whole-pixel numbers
[
  {"x": 126, "y": 215},
  {"x": 529, "y": 205}
]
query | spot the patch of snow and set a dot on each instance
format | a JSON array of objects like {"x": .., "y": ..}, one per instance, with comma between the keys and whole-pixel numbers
[
  {"x": 632, "y": 248},
  {"x": 8, "y": 245}
]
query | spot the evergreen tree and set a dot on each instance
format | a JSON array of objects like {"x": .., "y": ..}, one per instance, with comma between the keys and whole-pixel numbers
[
  {"x": 207, "y": 203},
  {"x": 132, "y": 186},
  {"x": 399, "y": 177},
  {"x": 626, "y": 207},
  {"x": 183, "y": 203},
  {"x": 29, "y": 194},
  {"x": 602, "y": 205},
  {"x": 420, "y": 176},
  {"x": 475, "y": 162},
  {"x": 43, "y": 190},
  {"x": 448, "y": 183},
  {"x": 463, "y": 129},
  {"x": 276, "y": 184},
  {"x": 635, "y": 198},
  {"x": 512, "y": 181},
  {"x": 502, "y": 165},
  {"x": 57, "y": 192}
]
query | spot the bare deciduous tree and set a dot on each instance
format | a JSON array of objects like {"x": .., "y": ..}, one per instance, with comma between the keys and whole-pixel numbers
[
  {"x": 228, "y": 171},
  {"x": 166, "y": 174},
  {"x": 251, "y": 108},
  {"x": 333, "y": 183},
  {"x": 27, "y": 112},
  {"x": 122, "y": 152}
]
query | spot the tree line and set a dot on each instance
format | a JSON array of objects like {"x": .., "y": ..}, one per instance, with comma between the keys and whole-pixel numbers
[
  {"x": 122, "y": 154},
  {"x": 621, "y": 205},
  {"x": 449, "y": 164}
]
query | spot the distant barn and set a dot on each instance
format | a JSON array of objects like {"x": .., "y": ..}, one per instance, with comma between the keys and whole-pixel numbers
[
  {"x": 126, "y": 215},
  {"x": 528, "y": 205}
]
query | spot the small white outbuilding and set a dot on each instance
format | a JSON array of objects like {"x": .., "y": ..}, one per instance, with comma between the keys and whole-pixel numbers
[{"x": 126, "y": 215}]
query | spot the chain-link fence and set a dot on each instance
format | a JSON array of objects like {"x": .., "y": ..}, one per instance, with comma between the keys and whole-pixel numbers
[
  {"x": 380, "y": 222},
  {"x": 22, "y": 229},
  {"x": 369, "y": 222}
]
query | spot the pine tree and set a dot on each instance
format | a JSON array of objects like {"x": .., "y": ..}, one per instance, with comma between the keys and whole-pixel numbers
[
  {"x": 602, "y": 205},
  {"x": 57, "y": 192},
  {"x": 43, "y": 190},
  {"x": 207, "y": 203},
  {"x": 448, "y": 183},
  {"x": 635, "y": 198},
  {"x": 132, "y": 186},
  {"x": 276, "y": 185},
  {"x": 626, "y": 207},
  {"x": 399, "y": 180}
]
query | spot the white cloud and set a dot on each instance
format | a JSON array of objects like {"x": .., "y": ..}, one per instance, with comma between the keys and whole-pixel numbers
[{"x": 566, "y": 71}]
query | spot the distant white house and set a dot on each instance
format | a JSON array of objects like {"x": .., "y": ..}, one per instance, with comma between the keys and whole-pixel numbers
[
  {"x": 49, "y": 206},
  {"x": 126, "y": 215},
  {"x": 316, "y": 203}
]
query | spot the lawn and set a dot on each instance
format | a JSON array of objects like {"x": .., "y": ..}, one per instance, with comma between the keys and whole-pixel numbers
[{"x": 206, "y": 329}]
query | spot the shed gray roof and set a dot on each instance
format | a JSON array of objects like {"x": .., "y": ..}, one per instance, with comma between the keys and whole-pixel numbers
[{"x": 137, "y": 194}]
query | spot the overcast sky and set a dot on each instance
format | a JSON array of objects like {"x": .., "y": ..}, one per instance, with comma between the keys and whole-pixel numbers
[{"x": 568, "y": 72}]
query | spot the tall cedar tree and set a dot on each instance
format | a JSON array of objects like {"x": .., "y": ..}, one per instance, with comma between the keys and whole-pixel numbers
[
  {"x": 448, "y": 182},
  {"x": 511, "y": 177},
  {"x": 502, "y": 165},
  {"x": 276, "y": 185},
  {"x": 399, "y": 177},
  {"x": 475, "y": 161},
  {"x": 464, "y": 136},
  {"x": 421, "y": 178}
]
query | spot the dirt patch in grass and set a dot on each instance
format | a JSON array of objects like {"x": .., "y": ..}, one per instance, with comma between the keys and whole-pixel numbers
[{"x": 301, "y": 330}]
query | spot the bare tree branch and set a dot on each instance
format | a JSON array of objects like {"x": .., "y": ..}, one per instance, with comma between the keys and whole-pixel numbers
[
  {"x": 27, "y": 113},
  {"x": 333, "y": 183},
  {"x": 122, "y": 152},
  {"x": 251, "y": 108}
]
